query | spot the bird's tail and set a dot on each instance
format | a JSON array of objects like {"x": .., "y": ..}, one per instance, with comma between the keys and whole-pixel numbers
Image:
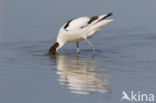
[
  {"x": 101, "y": 24},
  {"x": 102, "y": 21}
]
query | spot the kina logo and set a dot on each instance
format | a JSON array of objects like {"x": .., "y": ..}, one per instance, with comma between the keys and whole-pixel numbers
[{"x": 137, "y": 96}]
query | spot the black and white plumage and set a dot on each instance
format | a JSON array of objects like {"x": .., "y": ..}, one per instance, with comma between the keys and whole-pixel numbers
[{"x": 79, "y": 29}]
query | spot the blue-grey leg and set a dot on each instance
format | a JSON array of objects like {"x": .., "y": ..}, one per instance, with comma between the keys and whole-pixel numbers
[
  {"x": 78, "y": 50},
  {"x": 90, "y": 44}
]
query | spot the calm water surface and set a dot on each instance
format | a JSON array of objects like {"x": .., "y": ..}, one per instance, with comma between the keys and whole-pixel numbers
[{"x": 125, "y": 52}]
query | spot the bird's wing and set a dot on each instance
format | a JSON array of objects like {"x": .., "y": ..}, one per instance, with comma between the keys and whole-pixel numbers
[
  {"x": 76, "y": 24},
  {"x": 83, "y": 22}
]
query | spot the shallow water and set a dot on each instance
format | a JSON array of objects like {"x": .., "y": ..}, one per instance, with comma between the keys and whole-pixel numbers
[{"x": 125, "y": 52}]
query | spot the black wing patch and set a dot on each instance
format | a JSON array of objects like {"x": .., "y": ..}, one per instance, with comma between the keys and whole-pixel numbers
[
  {"x": 109, "y": 14},
  {"x": 68, "y": 23},
  {"x": 93, "y": 18}
]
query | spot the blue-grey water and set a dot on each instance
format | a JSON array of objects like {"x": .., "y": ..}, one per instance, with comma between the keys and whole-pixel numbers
[{"x": 125, "y": 57}]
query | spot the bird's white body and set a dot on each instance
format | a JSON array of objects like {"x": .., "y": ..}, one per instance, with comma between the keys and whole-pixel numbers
[{"x": 81, "y": 29}]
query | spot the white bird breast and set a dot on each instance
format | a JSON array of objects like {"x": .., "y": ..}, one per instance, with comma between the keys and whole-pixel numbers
[{"x": 71, "y": 35}]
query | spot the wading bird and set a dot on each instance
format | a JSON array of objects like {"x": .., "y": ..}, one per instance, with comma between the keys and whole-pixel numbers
[{"x": 79, "y": 29}]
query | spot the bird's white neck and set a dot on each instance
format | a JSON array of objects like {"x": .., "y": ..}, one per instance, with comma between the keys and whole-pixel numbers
[{"x": 61, "y": 44}]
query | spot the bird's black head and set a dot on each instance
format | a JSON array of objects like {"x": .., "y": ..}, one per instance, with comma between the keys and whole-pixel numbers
[{"x": 53, "y": 48}]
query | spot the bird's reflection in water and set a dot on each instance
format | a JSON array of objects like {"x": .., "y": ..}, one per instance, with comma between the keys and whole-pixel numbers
[{"x": 80, "y": 76}]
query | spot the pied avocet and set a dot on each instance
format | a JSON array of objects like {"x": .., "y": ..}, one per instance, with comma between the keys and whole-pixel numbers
[{"x": 79, "y": 29}]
